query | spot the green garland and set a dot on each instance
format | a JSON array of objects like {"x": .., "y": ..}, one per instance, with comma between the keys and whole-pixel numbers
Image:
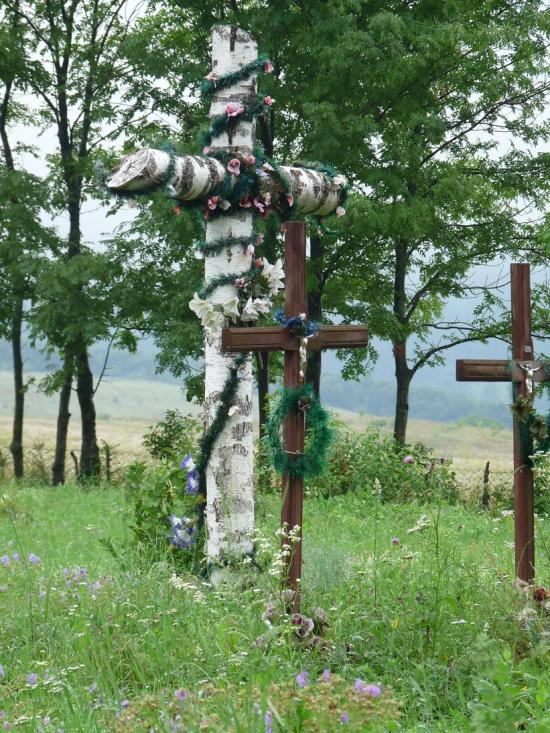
[
  {"x": 313, "y": 461},
  {"x": 229, "y": 279},
  {"x": 224, "y": 123},
  {"x": 209, "y": 86},
  {"x": 215, "y": 246},
  {"x": 209, "y": 437}
]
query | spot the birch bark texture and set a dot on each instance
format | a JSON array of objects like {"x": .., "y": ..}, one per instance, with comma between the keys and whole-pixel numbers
[{"x": 230, "y": 498}]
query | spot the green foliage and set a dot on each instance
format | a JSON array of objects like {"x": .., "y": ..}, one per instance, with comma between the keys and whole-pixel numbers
[
  {"x": 372, "y": 461},
  {"x": 151, "y": 491},
  {"x": 173, "y": 437}
]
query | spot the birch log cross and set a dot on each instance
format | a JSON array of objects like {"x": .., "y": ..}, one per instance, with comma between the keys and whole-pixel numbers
[{"x": 229, "y": 491}]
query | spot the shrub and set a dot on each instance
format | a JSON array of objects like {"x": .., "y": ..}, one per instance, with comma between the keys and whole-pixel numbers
[
  {"x": 373, "y": 461},
  {"x": 172, "y": 437}
]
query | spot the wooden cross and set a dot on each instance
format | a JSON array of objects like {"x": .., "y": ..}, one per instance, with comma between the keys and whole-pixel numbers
[
  {"x": 275, "y": 339},
  {"x": 525, "y": 371}
]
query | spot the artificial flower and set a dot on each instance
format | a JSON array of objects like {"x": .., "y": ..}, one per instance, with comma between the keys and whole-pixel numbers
[
  {"x": 250, "y": 250},
  {"x": 338, "y": 181},
  {"x": 245, "y": 203},
  {"x": 231, "y": 308},
  {"x": 269, "y": 101},
  {"x": 212, "y": 76},
  {"x": 234, "y": 166},
  {"x": 207, "y": 150},
  {"x": 213, "y": 202},
  {"x": 274, "y": 274},
  {"x": 240, "y": 282},
  {"x": 268, "y": 167},
  {"x": 249, "y": 159},
  {"x": 267, "y": 67},
  {"x": 259, "y": 239},
  {"x": 290, "y": 199},
  {"x": 259, "y": 263},
  {"x": 340, "y": 211},
  {"x": 259, "y": 205},
  {"x": 224, "y": 204},
  {"x": 233, "y": 109},
  {"x": 249, "y": 312}
]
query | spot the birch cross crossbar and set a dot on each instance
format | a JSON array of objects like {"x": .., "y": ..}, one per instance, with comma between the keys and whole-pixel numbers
[{"x": 524, "y": 371}]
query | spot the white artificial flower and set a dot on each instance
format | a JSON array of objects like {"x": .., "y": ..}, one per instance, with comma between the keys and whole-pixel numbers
[
  {"x": 224, "y": 204},
  {"x": 200, "y": 307},
  {"x": 231, "y": 308},
  {"x": 338, "y": 182},
  {"x": 214, "y": 321},
  {"x": 262, "y": 305},
  {"x": 340, "y": 211},
  {"x": 274, "y": 275},
  {"x": 249, "y": 311}
]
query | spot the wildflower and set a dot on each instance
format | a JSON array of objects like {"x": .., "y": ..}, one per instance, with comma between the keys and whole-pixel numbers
[
  {"x": 192, "y": 483},
  {"x": 32, "y": 679},
  {"x": 16, "y": 557},
  {"x": 34, "y": 559},
  {"x": 267, "y": 67},
  {"x": 183, "y": 532},
  {"x": 188, "y": 462},
  {"x": 408, "y": 459},
  {"x": 234, "y": 166},
  {"x": 269, "y": 101},
  {"x": 540, "y": 594},
  {"x": 371, "y": 690},
  {"x": 5, "y": 560},
  {"x": 125, "y": 704},
  {"x": 180, "y": 694},
  {"x": 83, "y": 572},
  {"x": 302, "y": 679},
  {"x": 268, "y": 720},
  {"x": 2, "y": 671},
  {"x": 395, "y": 540},
  {"x": 47, "y": 720},
  {"x": 42, "y": 595},
  {"x": 303, "y": 625},
  {"x": 344, "y": 718},
  {"x": 233, "y": 109},
  {"x": 326, "y": 675}
]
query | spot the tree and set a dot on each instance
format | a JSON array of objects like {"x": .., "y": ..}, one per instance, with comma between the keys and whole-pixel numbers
[
  {"x": 77, "y": 71},
  {"x": 24, "y": 240}
]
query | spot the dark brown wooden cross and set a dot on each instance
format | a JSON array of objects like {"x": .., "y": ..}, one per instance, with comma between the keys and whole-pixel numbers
[
  {"x": 525, "y": 371},
  {"x": 276, "y": 339}
]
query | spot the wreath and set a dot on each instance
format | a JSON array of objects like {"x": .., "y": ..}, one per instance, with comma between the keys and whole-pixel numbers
[{"x": 318, "y": 432}]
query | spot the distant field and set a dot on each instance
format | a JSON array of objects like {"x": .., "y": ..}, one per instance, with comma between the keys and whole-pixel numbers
[{"x": 126, "y": 407}]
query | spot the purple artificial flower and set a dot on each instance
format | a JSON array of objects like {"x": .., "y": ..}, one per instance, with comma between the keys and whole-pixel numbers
[
  {"x": 395, "y": 540},
  {"x": 5, "y": 560},
  {"x": 34, "y": 559},
  {"x": 344, "y": 718},
  {"x": 302, "y": 679},
  {"x": 192, "y": 483},
  {"x": 408, "y": 459},
  {"x": 180, "y": 694},
  {"x": 32, "y": 679}
]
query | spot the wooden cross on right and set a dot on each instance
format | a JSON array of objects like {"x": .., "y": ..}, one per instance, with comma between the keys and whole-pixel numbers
[
  {"x": 525, "y": 370},
  {"x": 275, "y": 339}
]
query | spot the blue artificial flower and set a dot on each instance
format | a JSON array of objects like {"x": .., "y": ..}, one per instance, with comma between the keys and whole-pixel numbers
[{"x": 192, "y": 483}]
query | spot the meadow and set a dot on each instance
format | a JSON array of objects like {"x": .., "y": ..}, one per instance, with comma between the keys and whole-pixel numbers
[{"x": 410, "y": 616}]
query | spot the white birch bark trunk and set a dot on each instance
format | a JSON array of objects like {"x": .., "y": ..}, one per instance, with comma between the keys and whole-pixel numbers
[
  {"x": 230, "y": 506},
  {"x": 194, "y": 177}
]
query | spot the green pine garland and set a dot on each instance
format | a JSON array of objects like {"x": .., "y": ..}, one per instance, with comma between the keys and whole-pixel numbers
[
  {"x": 215, "y": 246},
  {"x": 224, "y": 123},
  {"x": 313, "y": 461},
  {"x": 209, "y": 86},
  {"x": 229, "y": 279}
]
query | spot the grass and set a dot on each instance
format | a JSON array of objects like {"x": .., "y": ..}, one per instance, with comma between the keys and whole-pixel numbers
[{"x": 432, "y": 619}]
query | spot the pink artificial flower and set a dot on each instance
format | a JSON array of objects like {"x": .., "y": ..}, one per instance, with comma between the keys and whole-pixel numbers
[
  {"x": 259, "y": 263},
  {"x": 213, "y": 202},
  {"x": 267, "y": 67},
  {"x": 245, "y": 203},
  {"x": 259, "y": 239},
  {"x": 176, "y": 210},
  {"x": 249, "y": 159},
  {"x": 207, "y": 150},
  {"x": 212, "y": 76},
  {"x": 290, "y": 199},
  {"x": 259, "y": 205},
  {"x": 234, "y": 166},
  {"x": 240, "y": 282},
  {"x": 408, "y": 459},
  {"x": 233, "y": 109},
  {"x": 269, "y": 101}
]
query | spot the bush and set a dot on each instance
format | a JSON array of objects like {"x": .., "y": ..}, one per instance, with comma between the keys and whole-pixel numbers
[
  {"x": 172, "y": 437},
  {"x": 373, "y": 461}
]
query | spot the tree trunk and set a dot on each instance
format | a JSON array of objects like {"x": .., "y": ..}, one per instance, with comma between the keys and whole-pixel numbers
[
  {"x": 403, "y": 376},
  {"x": 63, "y": 417},
  {"x": 262, "y": 379},
  {"x": 89, "y": 450},
  {"x": 16, "y": 446},
  {"x": 315, "y": 308}
]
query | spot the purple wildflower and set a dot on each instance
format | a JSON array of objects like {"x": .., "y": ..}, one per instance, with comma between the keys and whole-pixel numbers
[
  {"x": 408, "y": 459},
  {"x": 302, "y": 679},
  {"x": 32, "y": 679},
  {"x": 42, "y": 595},
  {"x": 303, "y": 625},
  {"x": 34, "y": 559},
  {"x": 5, "y": 560},
  {"x": 395, "y": 540},
  {"x": 6, "y": 725},
  {"x": 268, "y": 720},
  {"x": 187, "y": 463},
  {"x": 344, "y": 718},
  {"x": 183, "y": 532},
  {"x": 192, "y": 483},
  {"x": 180, "y": 694},
  {"x": 65, "y": 572},
  {"x": 2, "y": 671},
  {"x": 16, "y": 557},
  {"x": 371, "y": 690},
  {"x": 125, "y": 704},
  {"x": 83, "y": 572},
  {"x": 326, "y": 675},
  {"x": 47, "y": 720}
]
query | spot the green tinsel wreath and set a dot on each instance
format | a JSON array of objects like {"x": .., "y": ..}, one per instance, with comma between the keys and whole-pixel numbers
[{"x": 318, "y": 431}]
